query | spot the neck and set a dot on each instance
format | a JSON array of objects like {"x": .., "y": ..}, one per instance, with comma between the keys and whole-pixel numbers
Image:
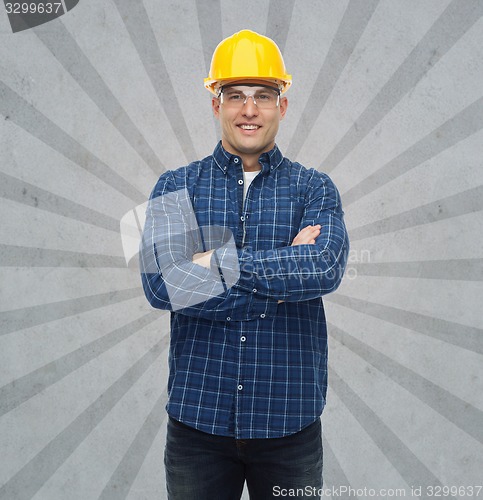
[{"x": 250, "y": 163}]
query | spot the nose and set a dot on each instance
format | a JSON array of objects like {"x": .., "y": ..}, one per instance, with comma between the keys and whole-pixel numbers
[{"x": 249, "y": 107}]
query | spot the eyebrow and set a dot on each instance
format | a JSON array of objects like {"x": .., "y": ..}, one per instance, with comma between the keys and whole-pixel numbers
[{"x": 268, "y": 87}]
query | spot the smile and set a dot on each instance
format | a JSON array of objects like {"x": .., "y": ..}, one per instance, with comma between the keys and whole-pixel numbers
[{"x": 249, "y": 127}]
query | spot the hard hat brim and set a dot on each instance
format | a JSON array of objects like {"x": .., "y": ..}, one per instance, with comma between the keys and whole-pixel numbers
[{"x": 283, "y": 83}]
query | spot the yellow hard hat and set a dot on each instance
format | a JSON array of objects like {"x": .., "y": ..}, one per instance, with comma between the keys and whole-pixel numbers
[{"x": 247, "y": 55}]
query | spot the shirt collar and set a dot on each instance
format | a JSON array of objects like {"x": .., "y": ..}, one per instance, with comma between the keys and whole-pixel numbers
[{"x": 269, "y": 161}]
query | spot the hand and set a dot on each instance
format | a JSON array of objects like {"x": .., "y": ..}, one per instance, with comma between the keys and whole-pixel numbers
[
  {"x": 307, "y": 235},
  {"x": 203, "y": 259}
]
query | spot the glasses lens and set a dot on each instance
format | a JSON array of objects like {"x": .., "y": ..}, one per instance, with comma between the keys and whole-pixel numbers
[{"x": 263, "y": 97}]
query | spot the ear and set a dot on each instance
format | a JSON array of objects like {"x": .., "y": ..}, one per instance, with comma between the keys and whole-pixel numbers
[
  {"x": 283, "y": 107},
  {"x": 215, "y": 105}
]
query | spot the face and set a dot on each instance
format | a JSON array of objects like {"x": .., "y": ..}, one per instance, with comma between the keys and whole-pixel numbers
[{"x": 249, "y": 130}]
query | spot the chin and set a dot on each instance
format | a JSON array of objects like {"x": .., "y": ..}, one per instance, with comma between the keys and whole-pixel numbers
[
  {"x": 253, "y": 151},
  {"x": 255, "y": 148}
]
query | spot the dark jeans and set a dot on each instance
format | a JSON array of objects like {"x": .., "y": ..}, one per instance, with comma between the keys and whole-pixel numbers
[{"x": 202, "y": 466}]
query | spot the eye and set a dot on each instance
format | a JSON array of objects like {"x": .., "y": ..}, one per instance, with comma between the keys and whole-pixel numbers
[
  {"x": 233, "y": 96},
  {"x": 265, "y": 96}
]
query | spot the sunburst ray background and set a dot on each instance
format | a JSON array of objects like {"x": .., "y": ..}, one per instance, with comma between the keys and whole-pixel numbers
[{"x": 387, "y": 98}]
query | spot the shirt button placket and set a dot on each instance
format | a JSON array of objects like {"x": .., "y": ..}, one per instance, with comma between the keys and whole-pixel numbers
[{"x": 241, "y": 359}]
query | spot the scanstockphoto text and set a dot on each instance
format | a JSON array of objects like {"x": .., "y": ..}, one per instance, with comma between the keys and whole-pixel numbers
[
  {"x": 171, "y": 227},
  {"x": 305, "y": 266},
  {"x": 345, "y": 491}
]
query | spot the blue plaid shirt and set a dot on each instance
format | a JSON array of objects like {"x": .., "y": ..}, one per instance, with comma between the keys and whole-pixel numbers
[{"x": 242, "y": 363}]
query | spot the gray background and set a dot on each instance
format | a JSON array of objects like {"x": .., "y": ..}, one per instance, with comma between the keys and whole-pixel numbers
[{"x": 387, "y": 98}]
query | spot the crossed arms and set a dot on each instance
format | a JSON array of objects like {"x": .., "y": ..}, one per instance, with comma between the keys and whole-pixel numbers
[{"x": 200, "y": 272}]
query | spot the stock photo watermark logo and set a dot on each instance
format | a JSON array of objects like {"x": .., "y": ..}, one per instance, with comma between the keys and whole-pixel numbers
[
  {"x": 162, "y": 237},
  {"x": 25, "y": 15},
  {"x": 168, "y": 248}
]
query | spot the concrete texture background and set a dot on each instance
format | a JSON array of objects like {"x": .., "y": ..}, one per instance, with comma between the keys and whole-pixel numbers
[{"x": 387, "y": 98}]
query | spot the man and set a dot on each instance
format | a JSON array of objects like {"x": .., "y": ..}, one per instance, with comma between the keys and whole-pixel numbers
[{"x": 240, "y": 247}]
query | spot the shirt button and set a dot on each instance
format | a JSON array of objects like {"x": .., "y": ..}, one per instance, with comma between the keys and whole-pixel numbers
[
  {"x": 240, "y": 387},
  {"x": 262, "y": 315},
  {"x": 240, "y": 181},
  {"x": 236, "y": 160},
  {"x": 254, "y": 290},
  {"x": 242, "y": 218},
  {"x": 243, "y": 339},
  {"x": 228, "y": 318}
]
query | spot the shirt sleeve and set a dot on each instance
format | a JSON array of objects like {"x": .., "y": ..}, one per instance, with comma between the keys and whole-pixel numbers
[
  {"x": 172, "y": 281},
  {"x": 302, "y": 272}
]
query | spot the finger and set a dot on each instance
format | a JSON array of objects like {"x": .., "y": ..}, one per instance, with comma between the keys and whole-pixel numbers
[{"x": 308, "y": 230}]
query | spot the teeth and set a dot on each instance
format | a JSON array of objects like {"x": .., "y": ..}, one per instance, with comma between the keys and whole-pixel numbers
[{"x": 249, "y": 127}]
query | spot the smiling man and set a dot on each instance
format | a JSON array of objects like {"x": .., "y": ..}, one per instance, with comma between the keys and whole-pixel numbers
[{"x": 240, "y": 247}]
